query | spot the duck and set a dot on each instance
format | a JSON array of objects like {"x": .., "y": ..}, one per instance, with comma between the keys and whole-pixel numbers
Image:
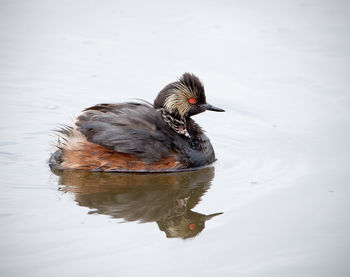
[{"x": 137, "y": 136}]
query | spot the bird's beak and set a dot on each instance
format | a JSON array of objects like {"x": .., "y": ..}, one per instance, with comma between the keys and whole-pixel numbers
[
  {"x": 210, "y": 216},
  {"x": 212, "y": 108}
]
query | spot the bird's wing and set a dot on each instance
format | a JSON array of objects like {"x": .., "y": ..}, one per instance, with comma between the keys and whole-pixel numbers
[{"x": 132, "y": 128}]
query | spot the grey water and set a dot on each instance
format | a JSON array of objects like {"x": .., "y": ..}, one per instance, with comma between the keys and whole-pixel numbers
[{"x": 276, "y": 202}]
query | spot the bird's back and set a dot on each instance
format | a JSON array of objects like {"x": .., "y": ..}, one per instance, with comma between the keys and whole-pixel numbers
[{"x": 129, "y": 137}]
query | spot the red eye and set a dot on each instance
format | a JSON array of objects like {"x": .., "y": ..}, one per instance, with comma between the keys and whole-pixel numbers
[
  {"x": 192, "y": 226},
  {"x": 192, "y": 101}
]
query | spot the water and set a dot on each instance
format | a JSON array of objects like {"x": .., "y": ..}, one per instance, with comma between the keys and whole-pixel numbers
[{"x": 278, "y": 194}]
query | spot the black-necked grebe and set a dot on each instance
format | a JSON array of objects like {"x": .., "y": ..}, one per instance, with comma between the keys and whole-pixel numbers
[{"x": 138, "y": 136}]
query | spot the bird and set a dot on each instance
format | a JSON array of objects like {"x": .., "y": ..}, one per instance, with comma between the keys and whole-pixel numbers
[{"x": 137, "y": 136}]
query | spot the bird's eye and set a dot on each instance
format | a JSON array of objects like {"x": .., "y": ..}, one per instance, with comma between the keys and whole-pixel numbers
[
  {"x": 192, "y": 227},
  {"x": 192, "y": 101}
]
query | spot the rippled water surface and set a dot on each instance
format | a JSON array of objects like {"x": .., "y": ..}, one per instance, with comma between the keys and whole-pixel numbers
[{"x": 276, "y": 203}]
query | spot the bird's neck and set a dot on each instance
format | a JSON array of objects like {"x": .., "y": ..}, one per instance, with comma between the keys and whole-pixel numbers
[{"x": 175, "y": 122}]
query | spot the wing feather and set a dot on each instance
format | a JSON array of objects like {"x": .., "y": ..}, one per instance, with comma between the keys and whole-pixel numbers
[{"x": 131, "y": 128}]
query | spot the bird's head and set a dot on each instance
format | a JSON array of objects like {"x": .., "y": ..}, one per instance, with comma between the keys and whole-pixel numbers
[{"x": 184, "y": 98}]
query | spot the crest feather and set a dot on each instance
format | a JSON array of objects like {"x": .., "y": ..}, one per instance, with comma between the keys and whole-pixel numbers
[{"x": 187, "y": 87}]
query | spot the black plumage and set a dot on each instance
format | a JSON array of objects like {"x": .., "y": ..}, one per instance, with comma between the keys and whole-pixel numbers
[{"x": 140, "y": 131}]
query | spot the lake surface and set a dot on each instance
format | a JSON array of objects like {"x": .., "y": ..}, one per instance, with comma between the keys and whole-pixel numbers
[{"x": 276, "y": 202}]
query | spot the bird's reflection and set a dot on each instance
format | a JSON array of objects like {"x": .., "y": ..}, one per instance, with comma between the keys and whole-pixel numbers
[{"x": 167, "y": 199}]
